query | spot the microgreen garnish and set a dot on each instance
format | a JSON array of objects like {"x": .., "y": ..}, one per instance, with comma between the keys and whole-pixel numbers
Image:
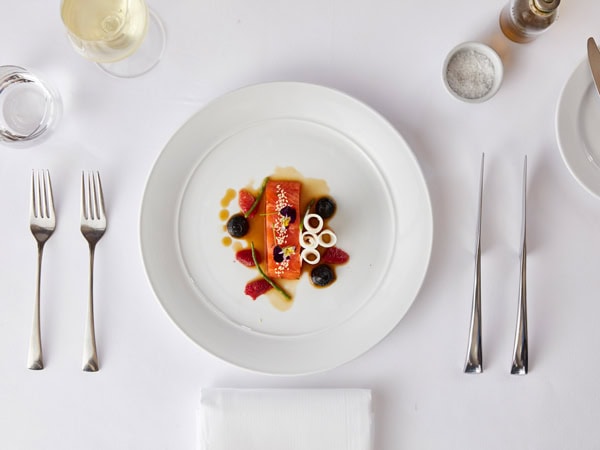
[
  {"x": 258, "y": 197},
  {"x": 310, "y": 205},
  {"x": 266, "y": 277}
]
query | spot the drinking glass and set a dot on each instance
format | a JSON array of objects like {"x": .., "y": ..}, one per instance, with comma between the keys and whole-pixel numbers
[
  {"x": 29, "y": 106},
  {"x": 123, "y": 37}
]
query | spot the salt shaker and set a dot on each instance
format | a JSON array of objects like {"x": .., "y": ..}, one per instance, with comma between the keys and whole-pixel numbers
[{"x": 523, "y": 20}]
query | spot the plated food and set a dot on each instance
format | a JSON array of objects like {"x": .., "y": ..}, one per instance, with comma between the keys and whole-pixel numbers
[
  {"x": 379, "y": 191},
  {"x": 281, "y": 233}
]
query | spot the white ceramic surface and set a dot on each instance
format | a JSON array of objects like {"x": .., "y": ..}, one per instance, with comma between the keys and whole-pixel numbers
[
  {"x": 494, "y": 59},
  {"x": 578, "y": 128},
  {"x": 384, "y": 221}
]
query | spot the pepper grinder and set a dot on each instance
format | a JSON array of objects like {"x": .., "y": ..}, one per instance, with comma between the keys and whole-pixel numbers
[{"x": 523, "y": 20}]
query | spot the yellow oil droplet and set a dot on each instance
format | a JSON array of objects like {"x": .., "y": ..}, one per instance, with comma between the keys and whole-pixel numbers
[
  {"x": 229, "y": 196},
  {"x": 224, "y": 214},
  {"x": 226, "y": 241},
  {"x": 279, "y": 301}
]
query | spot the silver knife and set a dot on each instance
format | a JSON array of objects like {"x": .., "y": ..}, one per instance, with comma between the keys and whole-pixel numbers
[
  {"x": 594, "y": 60},
  {"x": 474, "y": 361},
  {"x": 521, "y": 348}
]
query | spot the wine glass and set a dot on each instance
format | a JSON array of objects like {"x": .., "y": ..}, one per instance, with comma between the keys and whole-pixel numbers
[{"x": 124, "y": 37}]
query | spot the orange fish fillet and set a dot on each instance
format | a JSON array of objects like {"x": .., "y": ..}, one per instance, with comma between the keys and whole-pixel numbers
[{"x": 282, "y": 229}]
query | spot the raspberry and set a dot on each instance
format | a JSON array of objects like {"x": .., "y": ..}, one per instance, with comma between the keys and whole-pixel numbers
[
  {"x": 257, "y": 288},
  {"x": 244, "y": 257},
  {"x": 245, "y": 201},
  {"x": 334, "y": 255}
]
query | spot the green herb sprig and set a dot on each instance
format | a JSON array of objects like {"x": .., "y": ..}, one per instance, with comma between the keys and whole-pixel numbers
[
  {"x": 258, "y": 197},
  {"x": 266, "y": 277},
  {"x": 308, "y": 207}
]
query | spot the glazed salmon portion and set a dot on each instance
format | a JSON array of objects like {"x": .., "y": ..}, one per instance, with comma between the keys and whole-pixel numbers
[{"x": 282, "y": 229}]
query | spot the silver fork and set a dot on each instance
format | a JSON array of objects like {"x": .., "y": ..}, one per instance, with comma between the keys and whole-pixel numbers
[
  {"x": 93, "y": 226},
  {"x": 42, "y": 223}
]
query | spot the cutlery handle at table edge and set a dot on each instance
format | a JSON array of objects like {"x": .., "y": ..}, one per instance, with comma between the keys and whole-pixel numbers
[
  {"x": 90, "y": 355},
  {"x": 520, "y": 364},
  {"x": 474, "y": 361},
  {"x": 35, "y": 360},
  {"x": 521, "y": 346}
]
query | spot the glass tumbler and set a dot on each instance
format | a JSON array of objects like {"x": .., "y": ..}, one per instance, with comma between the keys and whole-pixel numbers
[{"x": 29, "y": 107}]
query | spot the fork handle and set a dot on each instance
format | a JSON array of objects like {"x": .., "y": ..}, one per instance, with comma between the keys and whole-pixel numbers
[
  {"x": 34, "y": 358},
  {"x": 90, "y": 356}
]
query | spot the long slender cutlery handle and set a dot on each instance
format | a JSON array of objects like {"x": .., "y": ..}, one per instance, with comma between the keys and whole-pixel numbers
[
  {"x": 35, "y": 359},
  {"x": 474, "y": 361},
  {"x": 90, "y": 356},
  {"x": 521, "y": 348}
]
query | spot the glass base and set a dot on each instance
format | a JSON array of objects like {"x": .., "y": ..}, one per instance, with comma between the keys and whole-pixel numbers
[{"x": 145, "y": 57}]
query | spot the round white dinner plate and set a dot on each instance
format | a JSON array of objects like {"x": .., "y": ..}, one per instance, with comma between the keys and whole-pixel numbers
[
  {"x": 578, "y": 128},
  {"x": 384, "y": 221}
]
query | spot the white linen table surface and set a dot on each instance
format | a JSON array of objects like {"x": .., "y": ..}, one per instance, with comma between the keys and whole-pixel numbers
[
  {"x": 388, "y": 54},
  {"x": 285, "y": 419}
]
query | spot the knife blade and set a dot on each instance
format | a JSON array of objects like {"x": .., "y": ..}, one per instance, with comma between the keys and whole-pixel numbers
[{"x": 594, "y": 60}]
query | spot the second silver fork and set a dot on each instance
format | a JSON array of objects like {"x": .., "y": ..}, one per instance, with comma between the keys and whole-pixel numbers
[
  {"x": 93, "y": 226},
  {"x": 42, "y": 223}
]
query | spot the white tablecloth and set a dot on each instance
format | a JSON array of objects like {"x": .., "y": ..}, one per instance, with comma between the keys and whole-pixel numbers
[{"x": 389, "y": 55}]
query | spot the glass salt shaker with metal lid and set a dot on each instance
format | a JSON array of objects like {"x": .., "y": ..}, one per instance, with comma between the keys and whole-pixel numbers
[{"x": 523, "y": 20}]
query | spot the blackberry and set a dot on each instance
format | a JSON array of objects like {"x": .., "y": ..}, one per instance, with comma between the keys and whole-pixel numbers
[
  {"x": 325, "y": 207},
  {"x": 322, "y": 275},
  {"x": 238, "y": 226}
]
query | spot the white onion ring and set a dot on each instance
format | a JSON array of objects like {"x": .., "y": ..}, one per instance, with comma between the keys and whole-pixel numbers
[
  {"x": 307, "y": 225},
  {"x": 309, "y": 240},
  {"x": 332, "y": 238},
  {"x": 311, "y": 255}
]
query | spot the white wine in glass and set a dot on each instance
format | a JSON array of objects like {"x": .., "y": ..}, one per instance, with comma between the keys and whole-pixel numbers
[{"x": 123, "y": 36}]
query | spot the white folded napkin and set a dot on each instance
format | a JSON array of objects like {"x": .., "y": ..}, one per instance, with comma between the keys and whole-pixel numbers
[{"x": 285, "y": 419}]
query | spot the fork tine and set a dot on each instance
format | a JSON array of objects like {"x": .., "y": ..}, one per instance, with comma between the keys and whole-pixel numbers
[
  {"x": 43, "y": 206},
  {"x": 49, "y": 195},
  {"x": 42, "y": 187},
  {"x": 93, "y": 195},
  {"x": 88, "y": 198},
  {"x": 32, "y": 206},
  {"x": 37, "y": 195},
  {"x": 84, "y": 203},
  {"x": 99, "y": 197}
]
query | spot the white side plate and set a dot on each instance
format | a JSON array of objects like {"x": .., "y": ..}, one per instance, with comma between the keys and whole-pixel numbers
[{"x": 578, "y": 128}]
